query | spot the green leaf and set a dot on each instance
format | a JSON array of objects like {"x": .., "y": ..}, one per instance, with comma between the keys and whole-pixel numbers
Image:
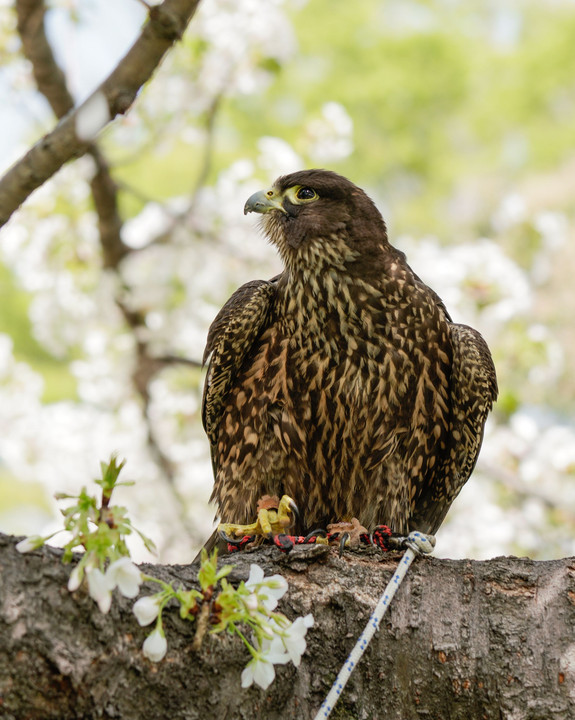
[
  {"x": 110, "y": 473},
  {"x": 207, "y": 575}
]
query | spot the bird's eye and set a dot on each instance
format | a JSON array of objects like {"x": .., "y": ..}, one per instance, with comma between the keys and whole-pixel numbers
[{"x": 306, "y": 193}]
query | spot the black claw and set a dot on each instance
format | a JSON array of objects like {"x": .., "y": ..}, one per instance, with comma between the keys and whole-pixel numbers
[
  {"x": 295, "y": 510},
  {"x": 315, "y": 533},
  {"x": 344, "y": 538},
  {"x": 229, "y": 540}
]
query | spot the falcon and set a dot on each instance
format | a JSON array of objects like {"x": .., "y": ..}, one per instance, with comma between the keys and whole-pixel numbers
[{"x": 342, "y": 383}]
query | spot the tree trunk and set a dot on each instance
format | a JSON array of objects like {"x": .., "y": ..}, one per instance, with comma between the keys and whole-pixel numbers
[{"x": 462, "y": 640}]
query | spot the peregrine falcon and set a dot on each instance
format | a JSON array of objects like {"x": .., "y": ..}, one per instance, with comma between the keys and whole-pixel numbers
[{"x": 342, "y": 382}]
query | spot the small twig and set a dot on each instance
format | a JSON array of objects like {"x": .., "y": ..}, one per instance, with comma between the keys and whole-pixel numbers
[
  {"x": 166, "y": 25},
  {"x": 136, "y": 192},
  {"x": 176, "y": 360},
  {"x": 48, "y": 75},
  {"x": 201, "y": 626}
]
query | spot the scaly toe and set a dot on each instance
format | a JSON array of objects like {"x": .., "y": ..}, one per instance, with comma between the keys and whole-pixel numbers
[
  {"x": 274, "y": 516},
  {"x": 353, "y": 530}
]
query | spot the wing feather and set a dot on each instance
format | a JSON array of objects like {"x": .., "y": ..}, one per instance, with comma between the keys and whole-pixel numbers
[
  {"x": 230, "y": 338},
  {"x": 473, "y": 392}
]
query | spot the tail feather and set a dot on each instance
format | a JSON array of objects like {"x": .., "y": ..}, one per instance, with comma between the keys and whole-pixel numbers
[{"x": 213, "y": 542}]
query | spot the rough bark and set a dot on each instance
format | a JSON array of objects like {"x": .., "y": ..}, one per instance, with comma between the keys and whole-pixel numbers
[
  {"x": 165, "y": 26},
  {"x": 463, "y": 639}
]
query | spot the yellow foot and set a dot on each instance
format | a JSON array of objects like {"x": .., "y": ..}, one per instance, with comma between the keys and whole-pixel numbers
[
  {"x": 347, "y": 533},
  {"x": 274, "y": 517}
]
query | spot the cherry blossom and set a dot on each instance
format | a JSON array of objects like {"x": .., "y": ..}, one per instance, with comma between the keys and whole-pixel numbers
[
  {"x": 155, "y": 645},
  {"x": 125, "y": 575},
  {"x": 260, "y": 670},
  {"x": 146, "y": 609},
  {"x": 100, "y": 589},
  {"x": 269, "y": 590}
]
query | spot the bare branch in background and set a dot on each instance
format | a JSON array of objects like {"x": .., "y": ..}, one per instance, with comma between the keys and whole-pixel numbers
[
  {"x": 51, "y": 83},
  {"x": 47, "y": 74},
  {"x": 167, "y": 23},
  {"x": 175, "y": 360}
]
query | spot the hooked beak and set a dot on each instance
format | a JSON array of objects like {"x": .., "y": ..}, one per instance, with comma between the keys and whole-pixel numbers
[{"x": 264, "y": 201}]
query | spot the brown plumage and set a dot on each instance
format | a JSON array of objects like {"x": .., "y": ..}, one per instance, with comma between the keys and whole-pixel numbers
[{"x": 341, "y": 382}]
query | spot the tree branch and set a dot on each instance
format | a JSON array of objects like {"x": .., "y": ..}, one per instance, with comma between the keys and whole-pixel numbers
[
  {"x": 49, "y": 77},
  {"x": 462, "y": 639},
  {"x": 166, "y": 25},
  {"x": 51, "y": 83}
]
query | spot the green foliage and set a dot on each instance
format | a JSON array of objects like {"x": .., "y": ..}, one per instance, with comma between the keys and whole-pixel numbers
[
  {"x": 433, "y": 95},
  {"x": 209, "y": 575},
  {"x": 14, "y": 321},
  {"x": 101, "y": 529},
  {"x": 97, "y": 526}
]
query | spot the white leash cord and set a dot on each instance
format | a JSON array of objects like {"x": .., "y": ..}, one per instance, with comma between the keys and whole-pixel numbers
[{"x": 416, "y": 543}]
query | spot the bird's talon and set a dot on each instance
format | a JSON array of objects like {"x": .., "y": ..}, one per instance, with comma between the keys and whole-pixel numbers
[
  {"x": 319, "y": 534},
  {"x": 236, "y": 545},
  {"x": 353, "y": 529},
  {"x": 274, "y": 516},
  {"x": 343, "y": 542},
  {"x": 228, "y": 539},
  {"x": 293, "y": 507},
  {"x": 286, "y": 508}
]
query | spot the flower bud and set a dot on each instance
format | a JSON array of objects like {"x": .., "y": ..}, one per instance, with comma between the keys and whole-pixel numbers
[{"x": 155, "y": 645}]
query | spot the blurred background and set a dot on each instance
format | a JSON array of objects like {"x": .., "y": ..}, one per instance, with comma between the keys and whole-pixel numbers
[{"x": 458, "y": 118}]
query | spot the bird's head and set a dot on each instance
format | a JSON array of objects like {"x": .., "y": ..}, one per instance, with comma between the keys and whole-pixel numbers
[{"x": 317, "y": 213}]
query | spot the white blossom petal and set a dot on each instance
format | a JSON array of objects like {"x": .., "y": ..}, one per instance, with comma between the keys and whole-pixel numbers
[
  {"x": 274, "y": 651},
  {"x": 268, "y": 589},
  {"x": 256, "y": 576},
  {"x": 251, "y": 602},
  {"x": 30, "y": 543},
  {"x": 248, "y": 675},
  {"x": 124, "y": 574},
  {"x": 146, "y": 609},
  {"x": 259, "y": 671},
  {"x": 293, "y": 638},
  {"x": 272, "y": 590},
  {"x": 75, "y": 578},
  {"x": 155, "y": 645},
  {"x": 99, "y": 589}
]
